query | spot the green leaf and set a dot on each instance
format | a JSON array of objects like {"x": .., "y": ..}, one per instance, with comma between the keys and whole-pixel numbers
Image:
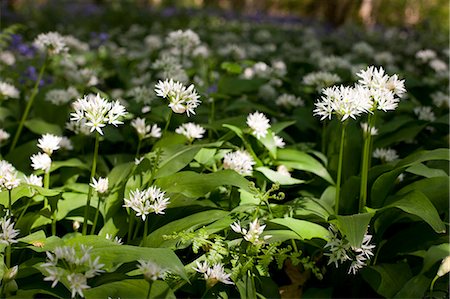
[
  {"x": 354, "y": 227},
  {"x": 278, "y": 177},
  {"x": 39, "y": 126},
  {"x": 192, "y": 184},
  {"x": 422, "y": 170},
  {"x": 387, "y": 279},
  {"x": 305, "y": 229},
  {"x": 422, "y": 156},
  {"x": 416, "y": 287},
  {"x": 281, "y": 235},
  {"x": 119, "y": 173},
  {"x": 231, "y": 67},
  {"x": 434, "y": 254},
  {"x": 131, "y": 288},
  {"x": 69, "y": 163},
  {"x": 302, "y": 161},
  {"x": 416, "y": 203},
  {"x": 236, "y": 86},
  {"x": 235, "y": 129},
  {"x": 269, "y": 143},
  {"x": 206, "y": 156}
]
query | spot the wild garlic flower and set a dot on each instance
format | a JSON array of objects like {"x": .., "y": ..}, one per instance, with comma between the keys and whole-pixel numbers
[
  {"x": 8, "y": 176},
  {"x": 425, "y": 113},
  {"x": 52, "y": 43},
  {"x": 426, "y": 55},
  {"x": 365, "y": 128},
  {"x": 183, "y": 41},
  {"x": 147, "y": 201},
  {"x": 259, "y": 124},
  {"x": 240, "y": 161},
  {"x": 213, "y": 274},
  {"x": 100, "y": 186},
  {"x": 3, "y": 136},
  {"x": 34, "y": 180},
  {"x": 145, "y": 131},
  {"x": 8, "y": 234},
  {"x": 191, "y": 131},
  {"x": 61, "y": 96},
  {"x": 253, "y": 234},
  {"x": 115, "y": 239},
  {"x": 78, "y": 127},
  {"x": 289, "y": 100},
  {"x": 151, "y": 271},
  {"x": 385, "y": 154},
  {"x": 7, "y": 58},
  {"x": 73, "y": 266},
  {"x": 440, "y": 99},
  {"x": 97, "y": 112},
  {"x": 181, "y": 99},
  {"x": 444, "y": 268},
  {"x": 282, "y": 169},
  {"x": 279, "y": 142},
  {"x": 49, "y": 143},
  {"x": 8, "y": 91},
  {"x": 321, "y": 80},
  {"x": 362, "y": 254},
  {"x": 41, "y": 161},
  {"x": 65, "y": 143}
]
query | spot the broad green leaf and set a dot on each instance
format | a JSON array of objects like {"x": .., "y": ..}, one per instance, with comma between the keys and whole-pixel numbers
[
  {"x": 235, "y": 129},
  {"x": 69, "y": 163},
  {"x": 416, "y": 287},
  {"x": 278, "y": 177},
  {"x": 16, "y": 194},
  {"x": 119, "y": 173},
  {"x": 354, "y": 227},
  {"x": 422, "y": 170},
  {"x": 236, "y": 86},
  {"x": 383, "y": 186},
  {"x": 305, "y": 229},
  {"x": 40, "y": 127},
  {"x": 416, "y": 203},
  {"x": 311, "y": 206},
  {"x": 405, "y": 133},
  {"x": 192, "y": 184},
  {"x": 281, "y": 235},
  {"x": 302, "y": 161},
  {"x": 280, "y": 126},
  {"x": 422, "y": 156},
  {"x": 231, "y": 67},
  {"x": 189, "y": 223},
  {"x": 387, "y": 279},
  {"x": 131, "y": 288},
  {"x": 38, "y": 236},
  {"x": 434, "y": 254},
  {"x": 205, "y": 156},
  {"x": 269, "y": 143}
]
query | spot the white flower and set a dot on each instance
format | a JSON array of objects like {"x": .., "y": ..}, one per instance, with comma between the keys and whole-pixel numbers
[
  {"x": 183, "y": 41},
  {"x": 338, "y": 247},
  {"x": 8, "y": 176},
  {"x": 7, "y": 58},
  {"x": 362, "y": 254},
  {"x": 49, "y": 143},
  {"x": 321, "y": 80},
  {"x": 213, "y": 274},
  {"x": 147, "y": 201},
  {"x": 145, "y": 131},
  {"x": 8, "y": 91},
  {"x": 425, "y": 113},
  {"x": 181, "y": 99},
  {"x": 289, "y": 100},
  {"x": 438, "y": 66},
  {"x": 65, "y": 143},
  {"x": 282, "y": 169},
  {"x": 387, "y": 155},
  {"x": 373, "y": 78},
  {"x": 259, "y": 123},
  {"x": 100, "y": 186},
  {"x": 151, "y": 270},
  {"x": 34, "y": 180},
  {"x": 41, "y": 161},
  {"x": 191, "y": 131},
  {"x": 3, "y": 136},
  {"x": 97, "y": 112},
  {"x": 279, "y": 142},
  {"x": 440, "y": 99},
  {"x": 116, "y": 239},
  {"x": 253, "y": 233},
  {"x": 240, "y": 161},
  {"x": 8, "y": 233},
  {"x": 445, "y": 266},
  {"x": 365, "y": 128},
  {"x": 425, "y": 55},
  {"x": 52, "y": 42},
  {"x": 77, "y": 283},
  {"x": 61, "y": 96}
]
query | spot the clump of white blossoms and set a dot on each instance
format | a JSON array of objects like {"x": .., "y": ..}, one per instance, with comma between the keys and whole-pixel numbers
[
  {"x": 425, "y": 113},
  {"x": 341, "y": 251},
  {"x": 147, "y": 201},
  {"x": 97, "y": 112},
  {"x": 61, "y": 96},
  {"x": 8, "y": 91},
  {"x": 52, "y": 43},
  {"x": 41, "y": 161},
  {"x": 34, "y": 180},
  {"x": 151, "y": 271},
  {"x": 253, "y": 233},
  {"x": 49, "y": 143},
  {"x": 65, "y": 143},
  {"x": 365, "y": 128},
  {"x": 71, "y": 267},
  {"x": 8, "y": 176},
  {"x": 279, "y": 142},
  {"x": 182, "y": 99},
  {"x": 213, "y": 274},
  {"x": 289, "y": 100},
  {"x": 440, "y": 99},
  {"x": 240, "y": 161},
  {"x": 385, "y": 154},
  {"x": 182, "y": 42},
  {"x": 8, "y": 234},
  {"x": 3, "y": 136},
  {"x": 259, "y": 124},
  {"x": 191, "y": 131},
  {"x": 426, "y": 55},
  {"x": 100, "y": 185},
  {"x": 145, "y": 131},
  {"x": 321, "y": 79}
]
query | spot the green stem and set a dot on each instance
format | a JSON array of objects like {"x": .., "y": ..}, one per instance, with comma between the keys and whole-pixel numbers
[
  {"x": 167, "y": 123},
  {"x": 149, "y": 289},
  {"x": 54, "y": 223},
  {"x": 9, "y": 213},
  {"x": 211, "y": 117},
  {"x": 136, "y": 230},
  {"x": 145, "y": 229},
  {"x": 432, "y": 285},
  {"x": 130, "y": 226},
  {"x": 323, "y": 137},
  {"x": 24, "y": 210},
  {"x": 366, "y": 157},
  {"x": 28, "y": 107},
  {"x": 8, "y": 256},
  {"x": 339, "y": 173},
  {"x": 94, "y": 166},
  {"x": 138, "y": 148},
  {"x": 96, "y": 215},
  {"x": 46, "y": 186}
]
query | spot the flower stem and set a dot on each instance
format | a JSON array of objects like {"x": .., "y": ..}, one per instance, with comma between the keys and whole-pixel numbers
[
  {"x": 168, "y": 122},
  {"x": 130, "y": 226},
  {"x": 8, "y": 212},
  {"x": 149, "y": 289},
  {"x": 145, "y": 229},
  {"x": 54, "y": 223},
  {"x": 339, "y": 173},
  {"x": 96, "y": 216},
  {"x": 8, "y": 256},
  {"x": 46, "y": 186},
  {"x": 367, "y": 154},
  {"x": 432, "y": 285},
  {"x": 28, "y": 107},
  {"x": 24, "y": 210},
  {"x": 94, "y": 166},
  {"x": 211, "y": 117},
  {"x": 138, "y": 148}
]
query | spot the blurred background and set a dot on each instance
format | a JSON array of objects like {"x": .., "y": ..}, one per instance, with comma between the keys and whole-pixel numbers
[{"x": 428, "y": 14}]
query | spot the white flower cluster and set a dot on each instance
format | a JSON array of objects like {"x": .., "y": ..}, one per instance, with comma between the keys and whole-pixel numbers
[
  {"x": 259, "y": 70},
  {"x": 426, "y": 55},
  {"x": 213, "y": 274},
  {"x": 52, "y": 43},
  {"x": 425, "y": 113},
  {"x": 365, "y": 128},
  {"x": 41, "y": 161},
  {"x": 259, "y": 123},
  {"x": 61, "y": 96},
  {"x": 191, "y": 131},
  {"x": 147, "y": 201},
  {"x": 3, "y": 136},
  {"x": 8, "y": 234},
  {"x": 440, "y": 99},
  {"x": 182, "y": 42},
  {"x": 253, "y": 234},
  {"x": 170, "y": 67},
  {"x": 8, "y": 176},
  {"x": 49, "y": 143},
  {"x": 97, "y": 112},
  {"x": 321, "y": 80},
  {"x": 8, "y": 91},
  {"x": 182, "y": 99},
  {"x": 240, "y": 161},
  {"x": 151, "y": 271},
  {"x": 385, "y": 154},
  {"x": 341, "y": 251},
  {"x": 100, "y": 185},
  {"x": 71, "y": 267},
  {"x": 289, "y": 100},
  {"x": 145, "y": 131}
]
